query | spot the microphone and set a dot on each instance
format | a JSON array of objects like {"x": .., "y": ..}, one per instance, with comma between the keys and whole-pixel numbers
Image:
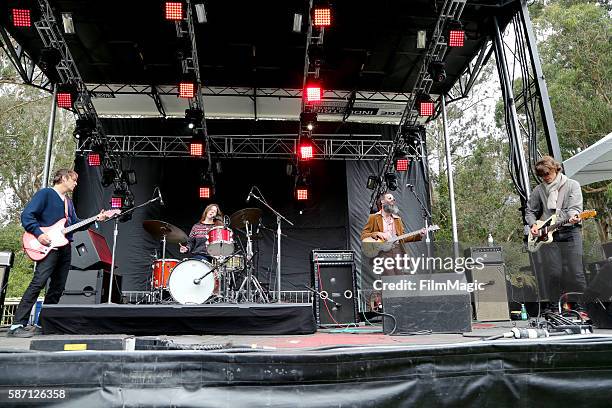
[
  {"x": 249, "y": 196},
  {"x": 410, "y": 186},
  {"x": 159, "y": 194},
  {"x": 197, "y": 281}
]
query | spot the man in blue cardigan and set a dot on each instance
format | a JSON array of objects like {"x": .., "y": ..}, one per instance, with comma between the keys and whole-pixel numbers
[{"x": 46, "y": 207}]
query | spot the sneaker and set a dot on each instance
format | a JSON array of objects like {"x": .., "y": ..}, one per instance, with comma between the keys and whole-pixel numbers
[
  {"x": 20, "y": 332},
  {"x": 36, "y": 329}
]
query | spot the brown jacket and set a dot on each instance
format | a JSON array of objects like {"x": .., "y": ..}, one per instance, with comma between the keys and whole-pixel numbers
[{"x": 375, "y": 224}]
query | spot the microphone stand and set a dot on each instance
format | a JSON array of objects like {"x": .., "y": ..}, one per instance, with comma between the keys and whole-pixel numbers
[
  {"x": 426, "y": 217},
  {"x": 279, "y": 219},
  {"x": 115, "y": 233}
]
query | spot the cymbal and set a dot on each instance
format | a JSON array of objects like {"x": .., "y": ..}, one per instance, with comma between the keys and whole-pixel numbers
[
  {"x": 159, "y": 228},
  {"x": 240, "y": 217}
]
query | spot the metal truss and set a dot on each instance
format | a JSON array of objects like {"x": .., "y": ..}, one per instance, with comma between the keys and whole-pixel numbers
[
  {"x": 26, "y": 67},
  {"x": 462, "y": 87},
  {"x": 277, "y": 146}
]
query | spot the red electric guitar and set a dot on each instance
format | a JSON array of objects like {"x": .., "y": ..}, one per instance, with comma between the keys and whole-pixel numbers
[{"x": 57, "y": 234}]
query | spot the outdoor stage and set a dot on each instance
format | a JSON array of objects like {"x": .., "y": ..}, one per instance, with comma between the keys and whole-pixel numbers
[{"x": 335, "y": 367}]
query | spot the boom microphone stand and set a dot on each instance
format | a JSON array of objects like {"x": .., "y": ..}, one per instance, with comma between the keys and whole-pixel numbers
[
  {"x": 426, "y": 217},
  {"x": 279, "y": 219}
]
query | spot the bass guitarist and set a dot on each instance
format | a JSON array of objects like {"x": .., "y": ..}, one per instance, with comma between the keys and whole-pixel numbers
[
  {"x": 560, "y": 195},
  {"x": 387, "y": 224},
  {"x": 48, "y": 206}
]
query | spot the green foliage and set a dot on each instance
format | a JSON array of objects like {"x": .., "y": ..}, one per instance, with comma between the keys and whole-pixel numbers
[{"x": 21, "y": 273}]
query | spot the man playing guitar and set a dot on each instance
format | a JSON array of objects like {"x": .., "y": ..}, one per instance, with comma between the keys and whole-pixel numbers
[{"x": 47, "y": 207}]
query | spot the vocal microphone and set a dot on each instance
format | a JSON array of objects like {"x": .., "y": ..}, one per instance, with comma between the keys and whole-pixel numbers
[
  {"x": 410, "y": 186},
  {"x": 161, "y": 199},
  {"x": 197, "y": 281},
  {"x": 249, "y": 196}
]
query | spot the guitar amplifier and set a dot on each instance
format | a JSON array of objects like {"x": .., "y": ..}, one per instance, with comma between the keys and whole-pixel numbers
[
  {"x": 6, "y": 262},
  {"x": 334, "y": 280},
  {"x": 487, "y": 255}
]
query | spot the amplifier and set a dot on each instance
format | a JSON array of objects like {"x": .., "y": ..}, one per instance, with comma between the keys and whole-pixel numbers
[
  {"x": 487, "y": 255},
  {"x": 343, "y": 256}
]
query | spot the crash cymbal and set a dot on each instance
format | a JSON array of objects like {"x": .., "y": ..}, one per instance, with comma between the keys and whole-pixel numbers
[
  {"x": 159, "y": 228},
  {"x": 239, "y": 218}
]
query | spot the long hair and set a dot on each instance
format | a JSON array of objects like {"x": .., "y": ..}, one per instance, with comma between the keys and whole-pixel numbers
[{"x": 208, "y": 208}]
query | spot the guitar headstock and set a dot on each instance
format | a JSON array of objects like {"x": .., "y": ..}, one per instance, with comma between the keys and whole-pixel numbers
[
  {"x": 585, "y": 215},
  {"x": 433, "y": 228}
]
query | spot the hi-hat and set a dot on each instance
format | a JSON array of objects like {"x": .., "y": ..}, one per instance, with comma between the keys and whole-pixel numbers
[
  {"x": 159, "y": 228},
  {"x": 239, "y": 218}
]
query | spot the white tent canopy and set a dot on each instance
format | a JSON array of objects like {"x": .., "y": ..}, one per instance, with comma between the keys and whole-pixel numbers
[{"x": 592, "y": 164}]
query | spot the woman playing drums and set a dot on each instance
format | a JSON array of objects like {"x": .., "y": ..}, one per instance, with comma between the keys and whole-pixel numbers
[{"x": 197, "y": 243}]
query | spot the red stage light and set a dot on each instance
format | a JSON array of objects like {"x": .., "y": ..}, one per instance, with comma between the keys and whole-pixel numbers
[
  {"x": 313, "y": 93},
  {"x": 64, "y": 100},
  {"x": 116, "y": 202},
  {"x": 21, "y": 18},
  {"x": 426, "y": 108},
  {"x": 186, "y": 90},
  {"x": 322, "y": 17},
  {"x": 174, "y": 10},
  {"x": 301, "y": 194},
  {"x": 196, "y": 148},
  {"x": 93, "y": 159},
  {"x": 204, "y": 192},
  {"x": 306, "y": 151},
  {"x": 456, "y": 38},
  {"x": 401, "y": 164}
]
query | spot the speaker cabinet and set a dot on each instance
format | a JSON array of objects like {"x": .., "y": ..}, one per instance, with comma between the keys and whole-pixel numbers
[
  {"x": 436, "y": 302},
  {"x": 336, "y": 303},
  {"x": 6, "y": 261},
  {"x": 491, "y": 303},
  {"x": 90, "y": 251},
  {"x": 90, "y": 287}
]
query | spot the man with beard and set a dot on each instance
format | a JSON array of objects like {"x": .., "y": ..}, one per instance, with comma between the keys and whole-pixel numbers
[{"x": 386, "y": 224}]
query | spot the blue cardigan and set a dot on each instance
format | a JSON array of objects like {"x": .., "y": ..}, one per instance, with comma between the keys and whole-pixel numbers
[{"x": 45, "y": 209}]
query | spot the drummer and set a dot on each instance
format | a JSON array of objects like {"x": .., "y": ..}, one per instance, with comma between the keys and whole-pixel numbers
[{"x": 198, "y": 237}]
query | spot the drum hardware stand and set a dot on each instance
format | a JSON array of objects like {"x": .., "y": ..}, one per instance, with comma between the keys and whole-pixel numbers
[
  {"x": 116, "y": 232},
  {"x": 249, "y": 277},
  {"x": 279, "y": 219},
  {"x": 214, "y": 268}
]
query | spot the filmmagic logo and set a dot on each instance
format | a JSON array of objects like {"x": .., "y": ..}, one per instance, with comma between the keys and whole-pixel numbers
[
  {"x": 429, "y": 285},
  {"x": 411, "y": 264}
]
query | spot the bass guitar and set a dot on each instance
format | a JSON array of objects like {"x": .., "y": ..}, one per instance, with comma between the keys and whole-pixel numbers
[
  {"x": 57, "y": 235},
  {"x": 548, "y": 226},
  {"x": 372, "y": 247}
]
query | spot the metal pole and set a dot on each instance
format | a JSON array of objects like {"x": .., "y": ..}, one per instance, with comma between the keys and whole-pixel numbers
[
  {"x": 45, "y": 181},
  {"x": 278, "y": 259},
  {"x": 449, "y": 172},
  {"x": 112, "y": 271}
]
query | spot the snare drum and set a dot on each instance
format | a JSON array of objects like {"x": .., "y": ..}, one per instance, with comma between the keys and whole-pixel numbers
[
  {"x": 235, "y": 263},
  {"x": 182, "y": 287},
  {"x": 167, "y": 265},
  {"x": 220, "y": 241}
]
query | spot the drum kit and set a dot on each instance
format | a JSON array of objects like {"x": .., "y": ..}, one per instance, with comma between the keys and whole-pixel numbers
[{"x": 194, "y": 281}]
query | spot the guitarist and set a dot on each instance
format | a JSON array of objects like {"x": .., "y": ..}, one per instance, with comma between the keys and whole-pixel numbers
[
  {"x": 46, "y": 207},
  {"x": 387, "y": 224},
  {"x": 563, "y": 257}
]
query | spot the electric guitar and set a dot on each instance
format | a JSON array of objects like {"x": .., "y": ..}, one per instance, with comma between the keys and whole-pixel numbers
[
  {"x": 57, "y": 235},
  {"x": 548, "y": 226},
  {"x": 372, "y": 247}
]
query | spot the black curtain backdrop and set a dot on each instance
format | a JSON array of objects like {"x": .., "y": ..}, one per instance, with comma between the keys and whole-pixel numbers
[{"x": 322, "y": 223}]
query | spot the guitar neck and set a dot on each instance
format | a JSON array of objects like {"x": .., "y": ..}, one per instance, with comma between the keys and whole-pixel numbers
[
  {"x": 79, "y": 224},
  {"x": 404, "y": 236}
]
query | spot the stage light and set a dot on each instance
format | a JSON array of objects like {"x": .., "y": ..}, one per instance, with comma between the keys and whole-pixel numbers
[
  {"x": 201, "y": 13},
  {"x": 391, "y": 181},
  {"x": 308, "y": 120},
  {"x": 306, "y": 149},
  {"x": 437, "y": 71},
  {"x": 68, "y": 23},
  {"x": 421, "y": 39},
  {"x": 64, "y": 100},
  {"x": 313, "y": 92},
  {"x": 204, "y": 192},
  {"x": 108, "y": 176},
  {"x": 401, "y": 161},
  {"x": 301, "y": 193},
  {"x": 373, "y": 182},
  {"x": 83, "y": 129},
  {"x": 94, "y": 160},
  {"x": 116, "y": 202},
  {"x": 21, "y": 18},
  {"x": 174, "y": 10},
  {"x": 194, "y": 118},
  {"x": 129, "y": 177},
  {"x": 425, "y": 105},
  {"x": 196, "y": 148},
  {"x": 297, "y": 23},
  {"x": 322, "y": 17},
  {"x": 455, "y": 35},
  {"x": 49, "y": 58},
  {"x": 186, "y": 90}
]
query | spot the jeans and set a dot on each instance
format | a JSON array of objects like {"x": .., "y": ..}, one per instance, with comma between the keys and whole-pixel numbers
[
  {"x": 55, "y": 267},
  {"x": 564, "y": 270}
]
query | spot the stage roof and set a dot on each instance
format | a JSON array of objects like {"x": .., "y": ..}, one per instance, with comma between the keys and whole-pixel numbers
[{"x": 250, "y": 45}]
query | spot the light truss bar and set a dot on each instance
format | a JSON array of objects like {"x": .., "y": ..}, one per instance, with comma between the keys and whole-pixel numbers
[
  {"x": 23, "y": 63},
  {"x": 278, "y": 146}
]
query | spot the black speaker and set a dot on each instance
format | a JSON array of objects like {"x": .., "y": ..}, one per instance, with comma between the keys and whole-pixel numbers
[
  {"x": 334, "y": 280},
  {"x": 90, "y": 251},
  {"x": 90, "y": 287},
  {"x": 437, "y": 302},
  {"x": 6, "y": 262}
]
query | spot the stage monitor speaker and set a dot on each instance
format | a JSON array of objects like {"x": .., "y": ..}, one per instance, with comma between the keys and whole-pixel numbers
[
  {"x": 334, "y": 280},
  {"x": 6, "y": 262},
  {"x": 491, "y": 303},
  {"x": 90, "y": 251},
  {"x": 437, "y": 302},
  {"x": 90, "y": 287}
]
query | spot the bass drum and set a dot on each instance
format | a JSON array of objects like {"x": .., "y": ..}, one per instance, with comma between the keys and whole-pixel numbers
[{"x": 181, "y": 282}]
